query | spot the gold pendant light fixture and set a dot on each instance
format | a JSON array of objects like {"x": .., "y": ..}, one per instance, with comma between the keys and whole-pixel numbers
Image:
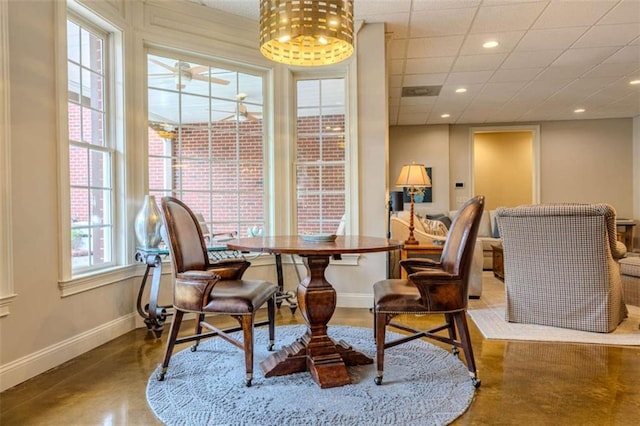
[{"x": 306, "y": 32}]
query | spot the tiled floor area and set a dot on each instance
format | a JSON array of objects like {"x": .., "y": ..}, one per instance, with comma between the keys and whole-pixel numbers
[{"x": 522, "y": 383}]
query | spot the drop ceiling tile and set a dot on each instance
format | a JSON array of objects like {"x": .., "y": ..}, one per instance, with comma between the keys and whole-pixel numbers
[
  {"x": 537, "y": 91},
  {"x": 422, "y": 5},
  {"x": 418, "y": 108},
  {"x": 584, "y": 57},
  {"x": 561, "y": 73},
  {"x": 433, "y": 23},
  {"x": 395, "y": 93},
  {"x": 478, "y": 62},
  {"x": 555, "y": 38},
  {"x": 430, "y": 47},
  {"x": 537, "y": 59},
  {"x": 418, "y": 100},
  {"x": 380, "y": 7},
  {"x": 626, "y": 55},
  {"x": 512, "y": 75},
  {"x": 395, "y": 81},
  {"x": 448, "y": 91},
  {"x": 612, "y": 70},
  {"x": 609, "y": 35},
  {"x": 563, "y": 14},
  {"x": 396, "y": 66},
  {"x": 625, "y": 12},
  {"x": 396, "y": 48},
  {"x": 431, "y": 65},
  {"x": 507, "y": 17},
  {"x": 498, "y": 92},
  {"x": 473, "y": 43},
  {"x": 424, "y": 79},
  {"x": 469, "y": 77}
]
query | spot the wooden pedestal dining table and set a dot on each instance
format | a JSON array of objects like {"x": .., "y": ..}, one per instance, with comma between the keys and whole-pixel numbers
[{"x": 315, "y": 351}]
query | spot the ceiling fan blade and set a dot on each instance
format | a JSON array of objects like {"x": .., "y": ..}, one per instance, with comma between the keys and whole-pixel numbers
[
  {"x": 209, "y": 79},
  {"x": 199, "y": 69},
  {"x": 161, "y": 75},
  {"x": 163, "y": 65},
  {"x": 251, "y": 117},
  {"x": 228, "y": 117}
]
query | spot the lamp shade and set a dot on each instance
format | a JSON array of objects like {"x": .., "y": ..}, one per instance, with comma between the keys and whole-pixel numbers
[
  {"x": 414, "y": 175},
  {"x": 305, "y": 32}
]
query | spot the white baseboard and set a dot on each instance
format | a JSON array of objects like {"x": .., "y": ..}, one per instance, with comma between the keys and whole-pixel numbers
[
  {"x": 354, "y": 300},
  {"x": 29, "y": 366}
]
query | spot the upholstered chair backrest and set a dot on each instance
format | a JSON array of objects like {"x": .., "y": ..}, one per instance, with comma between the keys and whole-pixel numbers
[
  {"x": 186, "y": 242},
  {"x": 458, "y": 249}
]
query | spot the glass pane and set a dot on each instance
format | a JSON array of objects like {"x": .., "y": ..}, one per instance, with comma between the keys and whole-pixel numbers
[
  {"x": 159, "y": 173},
  {"x": 91, "y": 51},
  {"x": 251, "y": 206},
  {"x": 163, "y": 107},
  {"x": 333, "y": 178},
  {"x": 307, "y": 178},
  {"x": 100, "y": 171},
  {"x": 75, "y": 122},
  {"x": 225, "y": 207},
  {"x": 92, "y": 127},
  {"x": 100, "y": 247},
  {"x": 251, "y": 85},
  {"x": 92, "y": 90},
  {"x": 333, "y": 148},
  {"x": 308, "y": 93},
  {"x": 196, "y": 78},
  {"x": 193, "y": 175},
  {"x": 251, "y": 177},
  {"x": 308, "y": 148},
  {"x": 228, "y": 91},
  {"x": 79, "y": 207},
  {"x": 73, "y": 42},
  {"x": 100, "y": 207},
  {"x": 332, "y": 207},
  {"x": 78, "y": 166},
  {"x": 194, "y": 141},
  {"x": 73, "y": 86},
  {"x": 225, "y": 176},
  {"x": 80, "y": 247},
  {"x": 309, "y": 122},
  {"x": 332, "y": 92},
  {"x": 195, "y": 109}
]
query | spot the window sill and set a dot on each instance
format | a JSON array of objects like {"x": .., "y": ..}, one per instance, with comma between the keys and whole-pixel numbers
[{"x": 93, "y": 280}]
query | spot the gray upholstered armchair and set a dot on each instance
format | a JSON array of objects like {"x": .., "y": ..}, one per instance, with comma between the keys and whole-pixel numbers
[{"x": 560, "y": 266}]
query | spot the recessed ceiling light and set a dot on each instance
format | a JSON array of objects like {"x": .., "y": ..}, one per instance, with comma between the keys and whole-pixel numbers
[
  {"x": 634, "y": 82},
  {"x": 579, "y": 110},
  {"x": 490, "y": 44},
  {"x": 461, "y": 90},
  {"x": 445, "y": 115}
]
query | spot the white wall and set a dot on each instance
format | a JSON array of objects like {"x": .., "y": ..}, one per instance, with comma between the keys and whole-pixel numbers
[{"x": 580, "y": 161}]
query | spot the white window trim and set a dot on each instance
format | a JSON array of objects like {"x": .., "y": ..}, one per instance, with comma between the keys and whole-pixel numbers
[
  {"x": 68, "y": 283},
  {"x": 6, "y": 235}
]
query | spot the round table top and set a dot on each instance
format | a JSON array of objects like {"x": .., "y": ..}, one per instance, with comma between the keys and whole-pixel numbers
[{"x": 295, "y": 244}]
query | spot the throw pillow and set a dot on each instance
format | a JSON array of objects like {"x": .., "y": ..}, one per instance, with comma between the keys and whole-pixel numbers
[
  {"x": 444, "y": 219},
  {"x": 434, "y": 227}
]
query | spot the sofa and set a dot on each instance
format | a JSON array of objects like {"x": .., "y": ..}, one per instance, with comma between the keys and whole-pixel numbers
[
  {"x": 426, "y": 231},
  {"x": 400, "y": 231}
]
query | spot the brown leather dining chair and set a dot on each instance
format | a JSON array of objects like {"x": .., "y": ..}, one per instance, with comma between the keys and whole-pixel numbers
[
  {"x": 433, "y": 287},
  {"x": 205, "y": 287}
]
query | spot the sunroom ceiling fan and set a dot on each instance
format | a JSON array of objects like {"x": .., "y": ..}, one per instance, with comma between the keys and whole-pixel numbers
[
  {"x": 243, "y": 113},
  {"x": 183, "y": 72}
]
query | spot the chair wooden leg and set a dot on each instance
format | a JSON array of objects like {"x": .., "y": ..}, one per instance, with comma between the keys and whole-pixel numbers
[
  {"x": 198, "y": 331},
  {"x": 173, "y": 335},
  {"x": 465, "y": 340},
  {"x": 247, "y": 330},
  {"x": 452, "y": 332},
  {"x": 380, "y": 326},
  {"x": 271, "y": 312}
]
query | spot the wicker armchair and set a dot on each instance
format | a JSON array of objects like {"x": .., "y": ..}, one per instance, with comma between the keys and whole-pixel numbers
[{"x": 560, "y": 266}]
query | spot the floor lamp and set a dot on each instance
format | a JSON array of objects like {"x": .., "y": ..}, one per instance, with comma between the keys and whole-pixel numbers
[{"x": 413, "y": 176}]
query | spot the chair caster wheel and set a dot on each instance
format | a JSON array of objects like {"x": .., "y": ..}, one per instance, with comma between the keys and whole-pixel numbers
[
  {"x": 160, "y": 377},
  {"x": 193, "y": 348},
  {"x": 293, "y": 308},
  {"x": 455, "y": 351},
  {"x": 247, "y": 383},
  {"x": 270, "y": 347},
  {"x": 378, "y": 380},
  {"x": 476, "y": 382},
  {"x": 278, "y": 304}
]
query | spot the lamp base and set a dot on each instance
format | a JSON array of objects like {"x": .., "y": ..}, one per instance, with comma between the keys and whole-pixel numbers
[{"x": 411, "y": 242}]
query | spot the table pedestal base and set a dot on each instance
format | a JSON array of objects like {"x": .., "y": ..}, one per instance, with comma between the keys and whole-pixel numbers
[{"x": 316, "y": 352}]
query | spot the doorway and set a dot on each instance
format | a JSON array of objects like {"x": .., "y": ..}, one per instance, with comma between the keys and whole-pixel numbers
[{"x": 505, "y": 166}]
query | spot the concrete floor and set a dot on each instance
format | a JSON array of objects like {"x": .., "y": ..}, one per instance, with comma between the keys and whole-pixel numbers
[{"x": 522, "y": 383}]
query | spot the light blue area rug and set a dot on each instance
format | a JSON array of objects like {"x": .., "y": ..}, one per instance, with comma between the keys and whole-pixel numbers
[{"x": 423, "y": 385}]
